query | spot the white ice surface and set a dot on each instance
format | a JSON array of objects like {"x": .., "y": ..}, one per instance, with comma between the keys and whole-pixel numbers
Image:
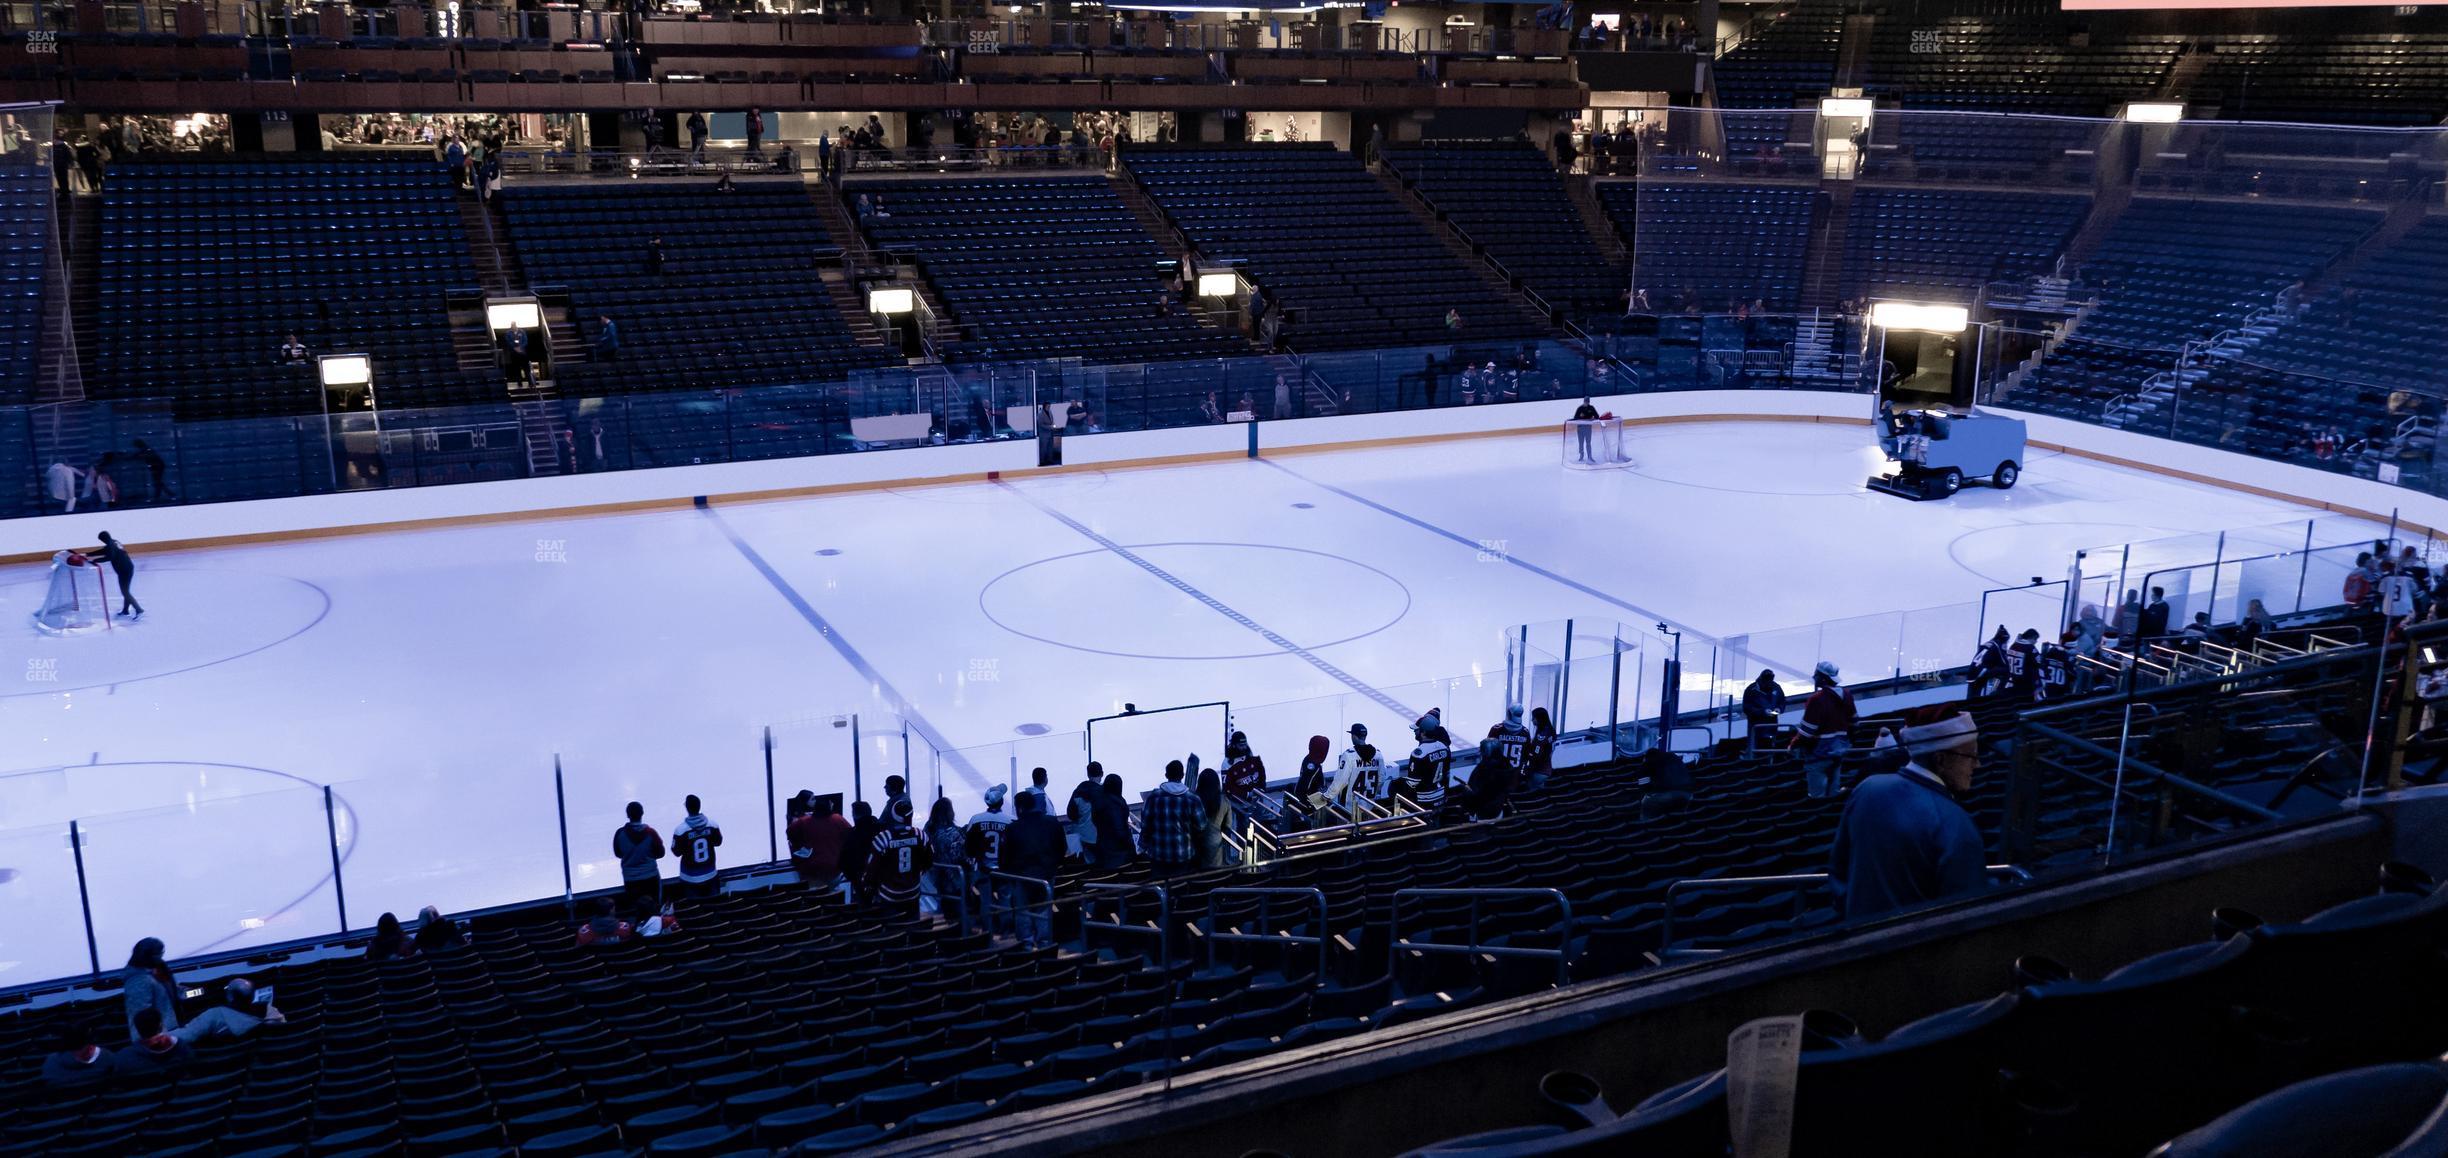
[{"x": 431, "y": 677}]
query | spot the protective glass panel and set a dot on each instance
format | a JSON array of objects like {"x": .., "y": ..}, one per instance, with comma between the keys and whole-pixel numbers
[
  {"x": 392, "y": 863},
  {"x": 1935, "y": 639},
  {"x": 247, "y": 870},
  {"x": 1864, "y": 646},
  {"x": 2016, "y": 609},
  {"x": 44, "y": 935},
  {"x": 598, "y": 783},
  {"x": 1063, "y": 755},
  {"x": 2324, "y": 574},
  {"x": 2269, "y": 585},
  {"x": 813, "y": 753}
]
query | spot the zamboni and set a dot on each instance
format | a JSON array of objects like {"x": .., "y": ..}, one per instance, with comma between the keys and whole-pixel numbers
[
  {"x": 1932, "y": 433},
  {"x": 1935, "y": 451}
]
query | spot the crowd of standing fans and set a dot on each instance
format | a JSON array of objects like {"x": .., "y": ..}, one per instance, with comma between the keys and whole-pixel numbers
[{"x": 1005, "y": 857}]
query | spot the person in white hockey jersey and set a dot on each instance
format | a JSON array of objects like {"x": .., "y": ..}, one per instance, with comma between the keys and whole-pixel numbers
[
  {"x": 983, "y": 839},
  {"x": 1360, "y": 772}
]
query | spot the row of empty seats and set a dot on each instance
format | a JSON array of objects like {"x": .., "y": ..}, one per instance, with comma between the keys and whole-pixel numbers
[
  {"x": 1349, "y": 265},
  {"x": 2029, "y": 64},
  {"x": 736, "y": 301},
  {"x": 2353, "y": 78},
  {"x": 207, "y": 267},
  {"x": 2159, "y": 1047},
  {"x": 1051, "y": 268},
  {"x": 25, "y": 251},
  {"x": 1943, "y": 244},
  {"x": 1507, "y": 197},
  {"x": 1712, "y": 245},
  {"x": 2171, "y": 272}
]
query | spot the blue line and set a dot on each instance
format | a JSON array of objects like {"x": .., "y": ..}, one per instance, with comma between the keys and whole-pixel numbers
[
  {"x": 848, "y": 653},
  {"x": 1347, "y": 679},
  {"x": 1477, "y": 545}
]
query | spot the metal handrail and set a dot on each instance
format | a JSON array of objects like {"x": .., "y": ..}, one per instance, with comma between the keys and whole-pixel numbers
[
  {"x": 1266, "y": 898},
  {"x": 965, "y": 879},
  {"x": 1122, "y": 893},
  {"x": 2303, "y": 777},
  {"x": 996, "y": 877},
  {"x": 1707, "y": 730},
  {"x": 1396, "y": 943},
  {"x": 1666, "y": 937},
  {"x": 2169, "y": 779}
]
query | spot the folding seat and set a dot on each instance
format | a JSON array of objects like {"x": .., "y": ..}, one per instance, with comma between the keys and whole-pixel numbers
[
  {"x": 2359, "y": 977},
  {"x": 524, "y": 1128},
  {"x": 583, "y": 1140},
  {"x": 841, "y": 1086},
  {"x": 845, "y": 1140},
  {"x": 786, "y": 1127}
]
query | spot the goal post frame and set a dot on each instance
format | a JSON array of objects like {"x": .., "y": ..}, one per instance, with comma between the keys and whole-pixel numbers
[
  {"x": 1593, "y": 443},
  {"x": 99, "y": 592}
]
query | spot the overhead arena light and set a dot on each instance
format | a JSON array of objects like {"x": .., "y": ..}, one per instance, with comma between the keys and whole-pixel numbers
[
  {"x": 891, "y": 300},
  {"x": 1846, "y": 106},
  {"x": 501, "y": 316},
  {"x": 1927, "y": 319},
  {"x": 1217, "y": 285},
  {"x": 2155, "y": 112},
  {"x": 346, "y": 369}
]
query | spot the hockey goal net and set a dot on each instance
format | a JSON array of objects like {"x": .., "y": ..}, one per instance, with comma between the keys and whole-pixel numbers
[
  {"x": 75, "y": 601},
  {"x": 1594, "y": 443}
]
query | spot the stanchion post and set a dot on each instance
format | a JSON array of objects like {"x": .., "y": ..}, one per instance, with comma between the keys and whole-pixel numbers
[
  {"x": 569, "y": 894},
  {"x": 331, "y": 829},
  {"x": 76, "y": 846}
]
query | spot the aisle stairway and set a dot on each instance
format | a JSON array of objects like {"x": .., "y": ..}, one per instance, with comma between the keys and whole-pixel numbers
[
  {"x": 1471, "y": 258},
  {"x": 497, "y": 271},
  {"x": 1823, "y": 277},
  {"x": 1584, "y": 193},
  {"x": 540, "y": 427},
  {"x": 841, "y": 280},
  {"x": 1817, "y": 356}
]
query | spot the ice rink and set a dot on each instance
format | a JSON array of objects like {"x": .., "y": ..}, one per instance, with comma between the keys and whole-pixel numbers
[{"x": 432, "y": 678}]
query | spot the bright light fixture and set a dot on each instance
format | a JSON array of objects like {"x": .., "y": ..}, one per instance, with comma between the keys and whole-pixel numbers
[
  {"x": 1928, "y": 319},
  {"x": 501, "y": 316},
  {"x": 1846, "y": 106},
  {"x": 346, "y": 369},
  {"x": 1217, "y": 285},
  {"x": 893, "y": 300},
  {"x": 2155, "y": 112}
]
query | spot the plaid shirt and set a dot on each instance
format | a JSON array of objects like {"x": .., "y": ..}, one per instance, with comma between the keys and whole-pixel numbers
[{"x": 1169, "y": 825}]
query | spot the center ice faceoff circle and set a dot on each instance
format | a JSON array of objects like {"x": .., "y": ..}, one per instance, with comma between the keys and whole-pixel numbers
[
  {"x": 1099, "y": 602},
  {"x": 194, "y": 618}
]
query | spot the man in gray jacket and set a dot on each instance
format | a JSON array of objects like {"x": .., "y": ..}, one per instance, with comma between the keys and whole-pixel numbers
[{"x": 639, "y": 848}]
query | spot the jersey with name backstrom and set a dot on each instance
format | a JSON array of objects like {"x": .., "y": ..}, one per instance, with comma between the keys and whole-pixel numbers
[
  {"x": 1513, "y": 741},
  {"x": 900, "y": 855},
  {"x": 695, "y": 845}
]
